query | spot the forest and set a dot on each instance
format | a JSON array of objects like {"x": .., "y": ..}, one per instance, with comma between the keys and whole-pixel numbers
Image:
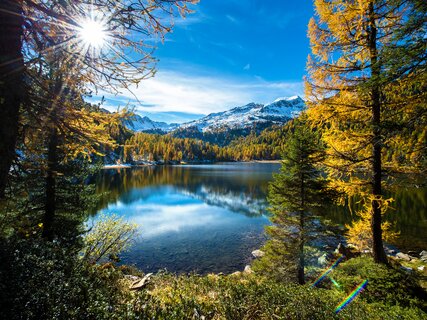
[{"x": 364, "y": 127}]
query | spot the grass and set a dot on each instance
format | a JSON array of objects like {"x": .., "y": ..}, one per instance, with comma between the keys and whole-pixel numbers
[{"x": 391, "y": 294}]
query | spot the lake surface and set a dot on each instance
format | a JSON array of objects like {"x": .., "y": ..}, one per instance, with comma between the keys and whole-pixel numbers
[
  {"x": 209, "y": 218},
  {"x": 203, "y": 218}
]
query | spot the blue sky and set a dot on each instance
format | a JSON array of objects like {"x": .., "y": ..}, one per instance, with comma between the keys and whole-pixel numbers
[{"x": 227, "y": 53}]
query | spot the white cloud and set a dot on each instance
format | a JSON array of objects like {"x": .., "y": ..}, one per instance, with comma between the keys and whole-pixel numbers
[
  {"x": 190, "y": 93},
  {"x": 247, "y": 67},
  {"x": 157, "y": 220},
  {"x": 154, "y": 220}
]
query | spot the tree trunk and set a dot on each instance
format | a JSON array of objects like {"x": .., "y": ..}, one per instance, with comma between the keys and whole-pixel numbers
[
  {"x": 11, "y": 83},
  {"x": 301, "y": 277},
  {"x": 50, "y": 200},
  {"x": 301, "y": 263},
  {"x": 377, "y": 242}
]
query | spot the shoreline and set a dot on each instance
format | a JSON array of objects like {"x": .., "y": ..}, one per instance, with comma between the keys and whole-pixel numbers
[{"x": 125, "y": 165}]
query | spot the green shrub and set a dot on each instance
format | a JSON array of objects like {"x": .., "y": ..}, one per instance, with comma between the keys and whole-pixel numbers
[
  {"x": 247, "y": 297},
  {"x": 388, "y": 285},
  {"x": 41, "y": 280}
]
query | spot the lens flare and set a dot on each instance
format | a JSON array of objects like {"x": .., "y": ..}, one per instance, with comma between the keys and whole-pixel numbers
[
  {"x": 351, "y": 296},
  {"x": 327, "y": 271}
]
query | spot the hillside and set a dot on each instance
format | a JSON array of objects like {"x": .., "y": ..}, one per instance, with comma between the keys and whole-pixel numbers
[{"x": 223, "y": 127}]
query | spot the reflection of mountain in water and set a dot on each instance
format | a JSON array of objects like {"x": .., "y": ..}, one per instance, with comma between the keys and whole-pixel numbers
[
  {"x": 228, "y": 186},
  {"x": 233, "y": 201}
]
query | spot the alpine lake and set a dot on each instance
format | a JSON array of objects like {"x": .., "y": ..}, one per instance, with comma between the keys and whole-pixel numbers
[{"x": 209, "y": 218}]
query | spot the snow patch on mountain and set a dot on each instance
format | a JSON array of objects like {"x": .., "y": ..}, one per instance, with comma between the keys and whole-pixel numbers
[
  {"x": 139, "y": 124},
  {"x": 278, "y": 112}
]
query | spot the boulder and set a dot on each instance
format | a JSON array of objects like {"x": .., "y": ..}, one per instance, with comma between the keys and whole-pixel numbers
[
  {"x": 421, "y": 268},
  {"x": 391, "y": 251},
  {"x": 403, "y": 256},
  {"x": 258, "y": 253},
  {"x": 423, "y": 253},
  {"x": 237, "y": 273},
  {"x": 248, "y": 269}
]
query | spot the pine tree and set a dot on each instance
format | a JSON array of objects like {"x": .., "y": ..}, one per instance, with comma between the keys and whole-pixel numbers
[
  {"x": 294, "y": 193},
  {"x": 354, "y": 97}
]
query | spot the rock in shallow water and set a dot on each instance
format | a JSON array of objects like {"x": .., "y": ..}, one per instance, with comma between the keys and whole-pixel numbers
[
  {"x": 258, "y": 253},
  {"x": 403, "y": 256},
  {"x": 248, "y": 269}
]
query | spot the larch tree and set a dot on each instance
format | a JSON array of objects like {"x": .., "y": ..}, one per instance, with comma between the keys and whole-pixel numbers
[
  {"x": 32, "y": 29},
  {"x": 355, "y": 97},
  {"x": 406, "y": 66}
]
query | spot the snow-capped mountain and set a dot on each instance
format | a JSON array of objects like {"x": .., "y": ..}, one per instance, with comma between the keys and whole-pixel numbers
[
  {"x": 278, "y": 112},
  {"x": 138, "y": 123},
  {"x": 245, "y": 117}
]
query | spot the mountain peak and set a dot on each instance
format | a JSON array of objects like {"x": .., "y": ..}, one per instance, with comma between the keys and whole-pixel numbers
[
  {"x": 252, "y": 114},
  {"x": 139, "y": 123},
  {"x": 278, "y": 112},
  {"x": 292, "y": 98}
]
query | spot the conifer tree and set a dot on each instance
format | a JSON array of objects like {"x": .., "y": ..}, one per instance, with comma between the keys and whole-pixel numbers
[
  {"x": 32, "y": 29},
  {"x": 355, "y": 97},
  {"x": 293, "y": 195}
]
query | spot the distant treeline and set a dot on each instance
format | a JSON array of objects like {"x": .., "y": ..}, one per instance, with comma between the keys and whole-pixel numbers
[{"x": 268, "y": 145}]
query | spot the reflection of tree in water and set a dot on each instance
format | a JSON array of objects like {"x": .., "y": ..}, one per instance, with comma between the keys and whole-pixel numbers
[
  {"x": 409, "y": 215},
  {"x": 239, "y": 190},
  {"x": 247, "y": 190}
]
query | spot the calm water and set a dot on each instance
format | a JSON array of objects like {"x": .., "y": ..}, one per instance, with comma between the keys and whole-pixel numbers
[{"x": 208, "y": 218}]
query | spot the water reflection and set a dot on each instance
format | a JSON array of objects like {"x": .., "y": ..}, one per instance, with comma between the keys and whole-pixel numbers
[
  {"x": 209, "y": 218},
  {"x": 408, "y": 215},
  {"x": 165, "y": 209},
  {"x": 240, "y": 187},
  {"x": 191, "y": 218}
]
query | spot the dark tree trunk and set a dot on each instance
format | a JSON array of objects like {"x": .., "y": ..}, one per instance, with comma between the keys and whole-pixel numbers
[
  {"x": 301, "y": 262},
  {"x": 377, "y": 241},
  {"x": 50, "y": 200},
  {"x": 11, "y": 83}
]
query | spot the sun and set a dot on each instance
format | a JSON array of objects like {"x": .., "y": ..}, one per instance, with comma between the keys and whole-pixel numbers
[{"x": 93, "y": 33}]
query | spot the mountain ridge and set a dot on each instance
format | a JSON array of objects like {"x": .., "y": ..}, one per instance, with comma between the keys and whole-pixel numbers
[{"x": 251, "y": 115}]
